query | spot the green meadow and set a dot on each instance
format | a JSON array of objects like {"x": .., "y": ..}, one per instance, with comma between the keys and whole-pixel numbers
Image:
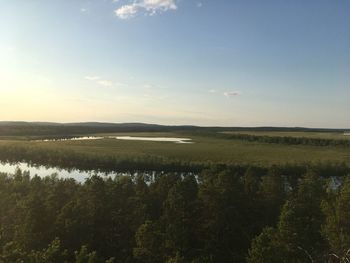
[{"x": 205, "y": 148}]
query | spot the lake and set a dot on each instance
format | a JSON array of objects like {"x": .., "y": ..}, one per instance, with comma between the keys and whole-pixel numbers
[
  {"x": 154, "y": 139},
  {"x": 129, "y": 138},
  {"x": 84, "y": 138}
]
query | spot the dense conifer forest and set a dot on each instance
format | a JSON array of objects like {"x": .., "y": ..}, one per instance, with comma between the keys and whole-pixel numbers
[{"x": 223, "y": 214}]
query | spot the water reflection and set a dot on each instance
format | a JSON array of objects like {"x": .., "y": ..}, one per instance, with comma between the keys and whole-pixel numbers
[
  {"x": 129, "y": 138},
  {"x": 84, "y": 138},
  {"x": 154, "y": 139},
  {"x": 79, "y": 176},
  {"x": 43, "y": 171}
]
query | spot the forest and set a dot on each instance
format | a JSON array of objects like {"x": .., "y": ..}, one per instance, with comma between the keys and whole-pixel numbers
[
  {"x": 289, "y": 140},
  {"x": 223, "y": 214}
]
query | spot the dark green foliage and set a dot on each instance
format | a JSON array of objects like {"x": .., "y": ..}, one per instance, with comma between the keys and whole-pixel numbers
[
  {"x": 273, "y": 192},
  {"x": 337, "y": 225},
  {"x": 298, "y": 236},
  {"x": 217, "y": 216},
  {"x": 301, "y": 220},
  {"x": 266, "y": 248},
  {"x": 149, "y": 243},
  {"x": 225, "y": 227},
  {"x": 289, "y": 140},
  {"x": 54, "y": 253}
]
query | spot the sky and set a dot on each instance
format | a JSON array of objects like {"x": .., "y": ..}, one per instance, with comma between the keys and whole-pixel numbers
[{"x": 201, "y": 62}]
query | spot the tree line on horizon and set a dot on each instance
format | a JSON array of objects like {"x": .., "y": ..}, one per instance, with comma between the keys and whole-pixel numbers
[
  {"x": 52, "y": 130},
  {"x": 286, "y": 140}
]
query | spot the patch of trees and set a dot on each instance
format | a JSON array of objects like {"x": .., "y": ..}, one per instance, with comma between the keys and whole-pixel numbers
[
  {"x": 222, "y": 215},
  {"x": 288, "y": 140}
]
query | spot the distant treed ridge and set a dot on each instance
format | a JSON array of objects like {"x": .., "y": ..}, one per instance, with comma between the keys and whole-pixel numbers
[{"x": 288, "y": 140}]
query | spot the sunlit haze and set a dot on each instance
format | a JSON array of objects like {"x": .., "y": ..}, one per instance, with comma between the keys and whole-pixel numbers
[{"x": 201, "y": 62}]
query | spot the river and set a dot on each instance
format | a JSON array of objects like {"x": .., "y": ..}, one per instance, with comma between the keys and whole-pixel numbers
[{"x": 43, "y": 171}]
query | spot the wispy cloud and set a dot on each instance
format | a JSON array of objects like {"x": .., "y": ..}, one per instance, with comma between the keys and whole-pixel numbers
[
  {"x": 147, "y": 7},
  {"x": 106, "y": 83},
  {"x": 92, "y": 78},
  {"x": 199, "y": 4},
  {"x": 212, "y": 91},
  {"x": 148, "y": 86},
  {"x": 102, "y": 82},
  {"x": 154, "y": 6},
  {"x": 154, "y": 97},
  {"x": 230, "y": 94}
]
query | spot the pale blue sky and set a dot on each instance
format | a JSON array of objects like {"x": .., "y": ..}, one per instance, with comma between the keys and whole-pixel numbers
[{"x": 205, "y": 62}]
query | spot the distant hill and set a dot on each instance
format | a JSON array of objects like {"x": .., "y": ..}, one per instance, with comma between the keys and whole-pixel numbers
[
  {"x": 20, "y": 128},
  {"x": 50, "y": 128}
]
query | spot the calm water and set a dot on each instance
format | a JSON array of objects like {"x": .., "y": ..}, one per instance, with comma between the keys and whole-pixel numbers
[
  {"x": 129, "y": 138},
  {"x": 84, "y": 138},
  {"x": 43, "y": 171},
  {"x": 154, "y": 139}
]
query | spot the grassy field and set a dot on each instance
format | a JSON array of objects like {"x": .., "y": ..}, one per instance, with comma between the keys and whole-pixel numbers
[{"x": 204, "y": 148}]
